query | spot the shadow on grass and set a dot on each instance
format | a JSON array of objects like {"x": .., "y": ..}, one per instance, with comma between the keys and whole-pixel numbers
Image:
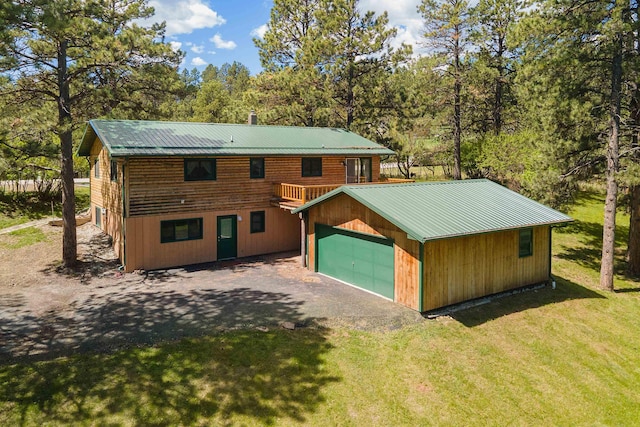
[
  {"x": 589, "y": 253},
  {"x": 565, "y": 290},
  {"x": 127, "y": 365},
  {"x": 259, "y": 376}
]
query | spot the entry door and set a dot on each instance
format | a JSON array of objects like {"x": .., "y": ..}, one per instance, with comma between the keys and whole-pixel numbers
[
  {"x": 227, "y": 237},
  {"x": 353, "y": 170}
]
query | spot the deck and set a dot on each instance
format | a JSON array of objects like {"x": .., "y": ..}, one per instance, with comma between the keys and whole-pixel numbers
[{"x": 291, "y": 196}]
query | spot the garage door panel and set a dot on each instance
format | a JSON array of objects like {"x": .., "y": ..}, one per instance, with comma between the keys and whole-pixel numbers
[{"x": 363, "y": 261}]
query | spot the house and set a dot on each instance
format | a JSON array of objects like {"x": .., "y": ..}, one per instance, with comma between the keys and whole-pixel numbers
[
  {"x": 172, "y": 194},
  {"x": 429, "y": 245}
]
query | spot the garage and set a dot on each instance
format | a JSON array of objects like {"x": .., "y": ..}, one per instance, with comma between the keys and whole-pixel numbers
[
  {"x": 363, "y": 260},
  {"x": 430, "y": 245}
]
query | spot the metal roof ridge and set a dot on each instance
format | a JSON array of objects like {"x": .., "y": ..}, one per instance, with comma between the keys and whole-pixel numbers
[{"x": 225, "y": 124}]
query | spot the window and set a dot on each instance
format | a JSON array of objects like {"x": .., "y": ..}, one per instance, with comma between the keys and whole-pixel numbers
[
  {"x": 181, "y": 229},
  {"x": 526, "y": 242},
  {"x": 96, "y": 168},
  {"x": 312, "y": 166},
  {"x": 98, "y": 217},
  {"x": 199, "y": 169},
  {"x": 257, "y": 222},
  {"x": 365, "y": 169},
  {"x": 257, "y": 167},
  {"x": 358, "y": 170},
  {"x": 114, "y": 170}
]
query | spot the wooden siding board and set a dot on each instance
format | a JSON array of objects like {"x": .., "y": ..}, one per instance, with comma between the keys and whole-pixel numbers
[
  {"x": 144, "y": 250},
  {"x": 344, "y": 212},
  {"x": 107, "y": 194},
  {"x": 469, "y": 267}
]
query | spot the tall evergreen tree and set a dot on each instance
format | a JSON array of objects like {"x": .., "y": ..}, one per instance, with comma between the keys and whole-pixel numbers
[
  {"x": 584, "y": 46},
  {"x": 447, "y": 27},
  {"x": 70, "y": 52},
  {"x": 323, "y": 61}
]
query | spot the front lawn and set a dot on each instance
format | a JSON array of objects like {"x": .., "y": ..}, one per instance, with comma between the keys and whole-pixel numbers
[
  {"x": 18, "y": 208},
  {"x": 569, "y": 356}
]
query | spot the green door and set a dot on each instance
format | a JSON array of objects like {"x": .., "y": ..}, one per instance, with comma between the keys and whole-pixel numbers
[
  {"x": 362, "y": 260},
  {"x": 227, "y": 237}
]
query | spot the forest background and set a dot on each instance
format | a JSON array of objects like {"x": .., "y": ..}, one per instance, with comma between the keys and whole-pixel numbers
[{"x": 540, "y": 96}]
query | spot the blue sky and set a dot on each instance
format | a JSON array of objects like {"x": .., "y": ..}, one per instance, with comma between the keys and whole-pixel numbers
[{"x": 219, "y": 31}]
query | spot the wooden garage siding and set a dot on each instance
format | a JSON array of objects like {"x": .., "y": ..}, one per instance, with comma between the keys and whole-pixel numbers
[
  {"x": 144, "y": 250},
  {"x": 345, "y": 212},
  {"x": 157, "y": 186},
  {"x": 107, "y": 194},
  {"x": 464, "y": 268}
]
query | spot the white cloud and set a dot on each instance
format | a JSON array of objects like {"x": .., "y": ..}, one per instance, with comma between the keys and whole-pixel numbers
[
  {"x": 197, "y": 49},
  {"x": 222, "y": 44},
  {"x": 404, "y": 16},
  {"x": 175, "y": 45},
  {"x": 197, "y": 61},
  {"x": 260, "y": 31},
  {"x": 184, "y": 16}
]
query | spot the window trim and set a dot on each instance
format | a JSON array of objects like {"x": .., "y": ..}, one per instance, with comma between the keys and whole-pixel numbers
[
  {"x": 525, "y": 234},
  {"x": 311, "y": 172},
  {"x": 174, "y": 222},
  {"x": 262, "y": 174},
  {"x": 263, "y": 221},
  {"x": 113, "y": 170},
  {"x": 213, "y": 164}
]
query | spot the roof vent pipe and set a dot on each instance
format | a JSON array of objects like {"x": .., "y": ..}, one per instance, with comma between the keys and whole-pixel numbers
[{"x": 253, "y": 118}]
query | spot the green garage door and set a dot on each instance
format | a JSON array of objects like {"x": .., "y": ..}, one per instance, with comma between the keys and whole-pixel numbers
[{"x": 359, "y": 259}]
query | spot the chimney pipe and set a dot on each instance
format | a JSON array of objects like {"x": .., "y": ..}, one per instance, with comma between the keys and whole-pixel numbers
[{"x": 253, "y": 118}]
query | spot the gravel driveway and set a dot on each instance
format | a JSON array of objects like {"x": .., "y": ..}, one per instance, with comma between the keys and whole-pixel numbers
[{"x": 97, "y": 308}]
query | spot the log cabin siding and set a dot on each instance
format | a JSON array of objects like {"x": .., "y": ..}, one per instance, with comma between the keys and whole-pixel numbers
[
  {"x": 145, "y": 251},
  {"x": 107, "y": 194},
  {"x": 157, "y": 185},
  {"x": 344, "y": 212},
  {"x": 464, "y": 268}
]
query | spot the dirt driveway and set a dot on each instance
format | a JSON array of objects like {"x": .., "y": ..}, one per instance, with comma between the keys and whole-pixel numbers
[{"x": 46, "y": 311}]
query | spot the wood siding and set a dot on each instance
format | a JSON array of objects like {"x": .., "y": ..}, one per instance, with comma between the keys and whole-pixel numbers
[
  {"x": 464, "y": 268},
  {"x": 344, "y": 212},
  {"x": 107, "y": 194},
  {"x": 157, "y": 185},
  {"x": 144, "y": 250}
]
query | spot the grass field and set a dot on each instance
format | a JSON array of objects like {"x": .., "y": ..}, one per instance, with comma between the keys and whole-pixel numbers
[
  {"x": 24, "y": 207},
  {"x": 569, "y": 356}
]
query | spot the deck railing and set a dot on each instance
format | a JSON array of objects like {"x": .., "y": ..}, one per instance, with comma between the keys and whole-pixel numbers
[{"x": 304, "y": 193}]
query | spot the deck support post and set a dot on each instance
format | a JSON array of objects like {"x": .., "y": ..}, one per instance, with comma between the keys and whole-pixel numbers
[{"x": 303, "y": 240}]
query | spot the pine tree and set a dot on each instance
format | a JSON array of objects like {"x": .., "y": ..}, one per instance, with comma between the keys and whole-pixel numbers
[{"x": 73, "y": 53}]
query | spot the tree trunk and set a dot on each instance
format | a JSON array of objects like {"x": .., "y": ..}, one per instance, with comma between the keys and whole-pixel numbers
[
  {"x": 497, "y": 101},
  {"x": 457, "y": 125},
  {"x": 610, "y": 204},
  {"x": 633, "y": 243},
  {"x": 633, "y": 252},
  {"x": 69, "y": 246}
]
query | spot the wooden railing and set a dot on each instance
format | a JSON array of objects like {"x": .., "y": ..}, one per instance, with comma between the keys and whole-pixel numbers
[{"x": 305, "y": 193}]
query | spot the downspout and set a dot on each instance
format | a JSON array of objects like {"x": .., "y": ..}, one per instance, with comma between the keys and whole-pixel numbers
[
  {"x": 303, "y": 239},
  {"x": 421, "y": 278},
  {"x": 552, "y": 280}
]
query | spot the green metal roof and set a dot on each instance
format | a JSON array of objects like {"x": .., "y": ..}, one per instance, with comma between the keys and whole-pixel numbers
[
  {"x": 437, "y": 210},
  {"x": 124, "y": 138}
]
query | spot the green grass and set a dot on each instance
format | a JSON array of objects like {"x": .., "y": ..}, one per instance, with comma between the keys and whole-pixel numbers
[
  {"x": 23, "y": 237},
  {"x": 20, "y": 208},
  {"x": 569, "y": 356}
]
